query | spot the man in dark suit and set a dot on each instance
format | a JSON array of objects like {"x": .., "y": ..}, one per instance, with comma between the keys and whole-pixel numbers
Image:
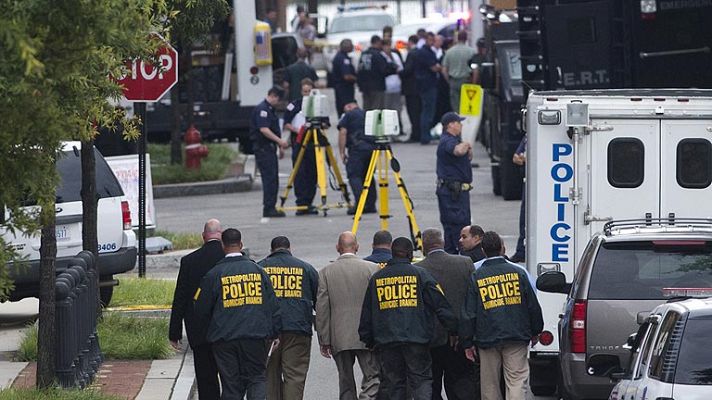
[
  {"x": 192, "y": 269},
  {"x": 453, "y": 273}
]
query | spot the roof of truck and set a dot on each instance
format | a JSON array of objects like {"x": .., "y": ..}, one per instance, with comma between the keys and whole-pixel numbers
[{"x": 628, "y": 93}]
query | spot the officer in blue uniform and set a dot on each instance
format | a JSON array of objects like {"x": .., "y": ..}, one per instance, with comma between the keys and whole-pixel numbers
[
  {"x": 360, "y": 147},
  {"x": 454, "y": 180},
  {"x": 305, "y": 181},
  {"x": 266, "y": 138},
  {"x": 343, "y": 75}
]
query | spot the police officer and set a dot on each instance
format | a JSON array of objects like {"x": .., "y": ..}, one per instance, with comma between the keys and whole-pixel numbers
[
  {"x": 266, "y": 138},
  {"x": 343, "y": 75},
  {"x": 454, "y": 180},
  {"x": 500, "y": 316},
  {"x": 396, "y": 320},
  {"x": 360, "y": 148},
  {"x": 381, "y": 252},
  {"x": 294, "y": 123},
  {"x": 236, "y": 296},
  {"x": 295, "y": 283}
]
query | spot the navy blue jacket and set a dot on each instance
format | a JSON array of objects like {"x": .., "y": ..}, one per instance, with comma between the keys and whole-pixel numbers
[
  {"x": 295, "y": 284},
  {"x": 500, "y": 307},
  {"x": 263, "y": 116},
  {"x": 354, "y": 122},
  {"x": 380, "y": 257},
  {"x": 236, "y": 296},
  {"x": 450, "y": 167},
  {"x": 425, "y": 58},
  {"x": 400, "y": 305},
  {"x": 372, "y": 71},
  {"x": 340, "y": 67}
]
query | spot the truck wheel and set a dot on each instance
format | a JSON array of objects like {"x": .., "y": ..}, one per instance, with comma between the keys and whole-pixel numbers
[
  {"x": 496, "y": 184},
  {"x": 511, "y": 180},
  {"x": 105, "y": 293}
]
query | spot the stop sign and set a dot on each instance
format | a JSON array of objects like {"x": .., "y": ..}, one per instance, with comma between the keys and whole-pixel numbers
[{"x": 148, "y": 82}]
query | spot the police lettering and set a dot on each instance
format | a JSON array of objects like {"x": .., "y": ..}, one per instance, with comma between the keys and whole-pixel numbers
[
  {"x": 286, "y": 281},
  {"x": 242, "y": 289},
  {"x": 397, "y": 291},
  {"x": 500, "y": 290},
  {"x": 561, "y": 173}
]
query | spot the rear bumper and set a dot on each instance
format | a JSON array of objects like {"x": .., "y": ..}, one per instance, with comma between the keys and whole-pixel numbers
[
  {"x": 580, "y": 385},
  {"x": 26, "y": 276}
]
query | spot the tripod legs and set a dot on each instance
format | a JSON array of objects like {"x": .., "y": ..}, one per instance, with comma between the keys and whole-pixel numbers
[
  {"x": 295, "y": 169},
  {"x": 366, "y": 186}
]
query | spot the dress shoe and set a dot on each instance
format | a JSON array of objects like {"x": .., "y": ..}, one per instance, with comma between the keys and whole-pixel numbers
[
  {"x": 274, "y": 214},
  {"x": 309, "y": 211}
]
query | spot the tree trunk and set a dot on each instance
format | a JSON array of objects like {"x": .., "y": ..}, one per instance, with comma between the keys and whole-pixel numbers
[
  {"x": 46, "y": 337},
  {"x": 188, "y": 79},
  {"x": 90, "y": 207}
]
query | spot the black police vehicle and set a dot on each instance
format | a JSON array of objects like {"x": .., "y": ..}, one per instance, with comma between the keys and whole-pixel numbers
[{"x": 584, "y": 44}]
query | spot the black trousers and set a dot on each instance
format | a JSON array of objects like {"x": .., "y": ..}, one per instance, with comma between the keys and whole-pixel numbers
[
  {"x": 462, "y": 376},
  {"x": 266, "y": 159},
  {"x": 412, "y": 106},
  {"x": 206, "y": 372},
  {"x": 305, "y": 181},
  {"x": 406, "y": 364},
  {"x": 242, "y": 364}
]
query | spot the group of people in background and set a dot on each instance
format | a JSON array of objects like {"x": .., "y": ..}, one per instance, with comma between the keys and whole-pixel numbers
[{"x": 414, "y": 329}]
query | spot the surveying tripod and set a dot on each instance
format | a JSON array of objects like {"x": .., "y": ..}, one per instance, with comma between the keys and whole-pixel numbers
[
  {"x": 322, "y": 153},
  {"x": 381, "y": 159}
]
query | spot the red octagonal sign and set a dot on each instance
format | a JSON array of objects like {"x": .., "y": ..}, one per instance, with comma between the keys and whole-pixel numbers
[{"x": 148, "y": 82}]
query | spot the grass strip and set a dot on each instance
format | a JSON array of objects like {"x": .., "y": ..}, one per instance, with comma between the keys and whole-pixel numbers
[
  {"x": 181, "y": 240},
  {"x": 53, "y": 394},
  {"x": 136, "y": 292},
  {"x": 121, "y": 337},
  {"x": 213, "y": 167}
]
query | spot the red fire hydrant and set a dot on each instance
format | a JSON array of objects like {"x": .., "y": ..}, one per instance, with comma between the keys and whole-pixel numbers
[{"x": 194, "y": 151}]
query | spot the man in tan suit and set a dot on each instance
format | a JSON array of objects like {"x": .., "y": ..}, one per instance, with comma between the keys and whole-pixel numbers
[{"x": 342, "y": 286}]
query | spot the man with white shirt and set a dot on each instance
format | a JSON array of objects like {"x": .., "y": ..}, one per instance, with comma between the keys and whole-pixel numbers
[{"x": 342, "y": 286}]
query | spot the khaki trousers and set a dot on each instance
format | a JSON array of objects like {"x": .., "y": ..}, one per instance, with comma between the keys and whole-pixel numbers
[
  {"x": 369, "y": 367},
  {"x": 513, "y": 357},
  {"x": 287, "y": 367}
]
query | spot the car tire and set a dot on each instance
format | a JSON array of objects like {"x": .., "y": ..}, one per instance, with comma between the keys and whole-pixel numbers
[{"x": 105, "y": 294}]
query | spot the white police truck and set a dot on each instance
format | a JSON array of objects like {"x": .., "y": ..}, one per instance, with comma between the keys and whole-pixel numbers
[{"x": 600, "y": 155}]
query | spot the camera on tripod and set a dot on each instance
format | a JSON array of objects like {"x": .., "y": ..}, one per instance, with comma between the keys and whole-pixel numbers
[
  {"x": 314, "y": 107},
  {"x": 382, "y": 124}
]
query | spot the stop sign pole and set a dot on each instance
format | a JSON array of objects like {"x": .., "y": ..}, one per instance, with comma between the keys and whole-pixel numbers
[{"x": 147, "y": 82}]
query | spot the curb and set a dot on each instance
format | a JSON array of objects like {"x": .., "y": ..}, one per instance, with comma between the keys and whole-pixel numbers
[
  {"x": 241, "y": 183},
  {"x": 185, "y": 382}
]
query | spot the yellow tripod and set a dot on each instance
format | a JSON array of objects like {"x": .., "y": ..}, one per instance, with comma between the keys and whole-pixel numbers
[
  {"x": 322, "y": 153},
  {"x": 381, "y": 159}
]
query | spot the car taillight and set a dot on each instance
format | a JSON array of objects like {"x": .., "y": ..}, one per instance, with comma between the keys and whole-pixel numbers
[
  {"x": 126, "y": 215},
  {"x": 577, "y": 327},
  {"x": 546, "y": 338}
]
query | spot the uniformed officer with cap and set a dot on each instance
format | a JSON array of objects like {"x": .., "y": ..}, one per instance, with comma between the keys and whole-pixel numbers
[
  {"x": 352, "y": 136},
  {"x": 295, "y": 283},
  {"x": 237, "y": 299},
  {"x": 397, "y": 320},
  {"x": 266, "y": 138},
  {"x": 454, "y": 180}
]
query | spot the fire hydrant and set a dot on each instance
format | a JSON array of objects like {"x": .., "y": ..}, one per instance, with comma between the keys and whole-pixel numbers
[{"x": 194, "y": 151}]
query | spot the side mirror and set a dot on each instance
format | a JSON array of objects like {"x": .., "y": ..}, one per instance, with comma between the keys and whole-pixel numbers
[
  {"x": 553, "y": 282},
  {"x": 604, "y": 365},
  {"x": 641, "y": 317},
  {"x": 487, "y": 75}
]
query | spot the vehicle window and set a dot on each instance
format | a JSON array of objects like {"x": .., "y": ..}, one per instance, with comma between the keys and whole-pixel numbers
[
  {"x": 626, "y": 162},
  {"x": 637, "y": 348},
  {"x": 284, "y": 51},
  {"x": 586, "y": 258},
  {"x": 70, "y": 178},
  {"x": 639, "y": 270},
  {"x": 662, "y": 360},
  {"x": 694, "y": 362},
  {"x": 514, "y": 64},
  {"x": 355, "y": 23},
  {"x": 645, "y": 351},
  {"x": 694, "y": 163},
  {"x": 581, "y": 30}
]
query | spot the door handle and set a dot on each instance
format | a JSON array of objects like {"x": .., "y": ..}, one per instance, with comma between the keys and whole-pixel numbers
[{"x": 644, "y": 55}]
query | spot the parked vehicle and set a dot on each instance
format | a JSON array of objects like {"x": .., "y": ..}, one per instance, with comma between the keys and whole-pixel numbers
[
  {"x": 625, "y": 271},
  {"x": 117, "y": 241},
  {"x": 602, "y": 155},
  {"x": 670, "y": 355}
]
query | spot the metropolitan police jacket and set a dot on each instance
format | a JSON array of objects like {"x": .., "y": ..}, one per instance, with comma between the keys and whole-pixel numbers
[
  {"x": 295, "y": 284},
  {"x": 236, "y": 296},
  {"x": 400, "y": 305},
  {"x": 500, "y": 307}
]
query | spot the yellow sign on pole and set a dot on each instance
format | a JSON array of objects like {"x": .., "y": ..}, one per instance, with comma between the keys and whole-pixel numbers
[{"x": 471, "y": 100}]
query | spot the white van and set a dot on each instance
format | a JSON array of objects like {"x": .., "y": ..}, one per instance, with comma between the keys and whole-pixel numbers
[
  {"x": 602, "y": 155},
  {"x": 117, "y": 241}
]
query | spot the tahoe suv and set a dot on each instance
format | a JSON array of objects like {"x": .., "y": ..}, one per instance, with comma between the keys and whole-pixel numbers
[
  {"x": 624, "y": 272},
  {"x": 117, "y": 241}
]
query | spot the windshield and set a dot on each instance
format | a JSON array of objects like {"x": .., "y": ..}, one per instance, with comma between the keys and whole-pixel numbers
[
  {"x": 640, "y": 270},
  {"x": 355, "y": 23},
  {"x": 694, "y": 364}
]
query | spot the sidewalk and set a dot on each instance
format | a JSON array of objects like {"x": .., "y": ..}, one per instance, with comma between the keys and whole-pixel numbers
[{"x": 171, "y": 379}]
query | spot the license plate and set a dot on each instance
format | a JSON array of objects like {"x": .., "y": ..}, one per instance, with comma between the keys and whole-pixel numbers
[{"x": 62, "y": 233}]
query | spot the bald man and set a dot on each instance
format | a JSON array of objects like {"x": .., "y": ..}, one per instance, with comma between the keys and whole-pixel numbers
[
  {"x": 192, "y": 269},
  {"x": 342, "y": 285}
]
